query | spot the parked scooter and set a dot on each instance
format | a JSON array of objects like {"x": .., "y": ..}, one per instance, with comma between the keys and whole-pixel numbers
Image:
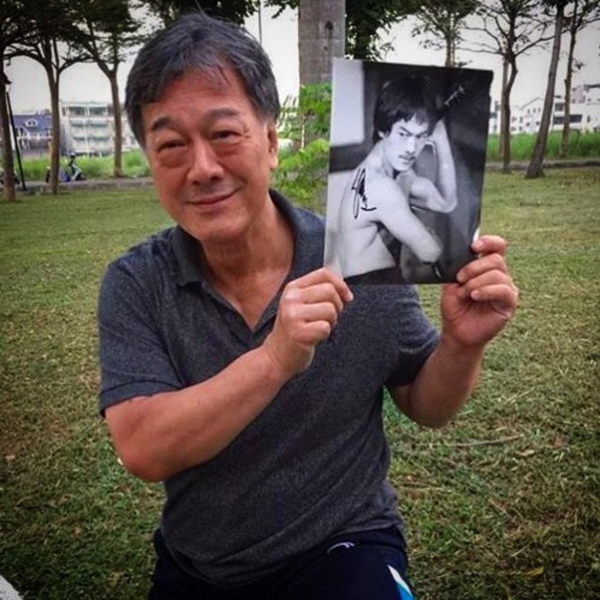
[
  {"x": 76, "y": 172},
  {"x": 71, "y": 172}
]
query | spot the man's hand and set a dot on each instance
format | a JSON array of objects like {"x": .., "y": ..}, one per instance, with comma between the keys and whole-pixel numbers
[
  {"x": 309, "y": 309},
  {"x": 476, "y": 308}
]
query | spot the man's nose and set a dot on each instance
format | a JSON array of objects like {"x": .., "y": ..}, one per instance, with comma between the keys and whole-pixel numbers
[
  {"x": 205, "y": 164},
  {"x": 411, "y": 144}
]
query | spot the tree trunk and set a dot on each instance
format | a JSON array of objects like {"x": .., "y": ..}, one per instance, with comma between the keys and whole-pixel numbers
[
  {"x": 7, "y": 153},
  {"x": 321, "y": 36},
  {"x": 566, "y": 130},
  {"x": 505, "y": 115},
  {"x": 535, "y": 168},
  {"x": 118, "y": 148},
  {"x": 53, "y": 83},
  {"x": 449, "y": 62}
]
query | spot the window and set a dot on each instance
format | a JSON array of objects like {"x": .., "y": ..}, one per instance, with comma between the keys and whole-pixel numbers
[{"x": 98, "y": 111}]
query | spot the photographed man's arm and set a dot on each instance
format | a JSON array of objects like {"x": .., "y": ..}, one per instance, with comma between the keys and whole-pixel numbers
[
  {"x": 440, "y": 196},
  {"x": 160, "y": 435},
  {"x": 474, "y": 311},
  {"x": 394, "y": 213}
]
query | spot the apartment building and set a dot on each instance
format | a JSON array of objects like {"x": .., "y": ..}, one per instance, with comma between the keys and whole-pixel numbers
[
  {"x": 584, "y": 114},
  {"x": 89, "y": 128}
]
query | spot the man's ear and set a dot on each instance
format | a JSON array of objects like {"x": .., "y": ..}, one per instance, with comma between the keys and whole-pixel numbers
[{"x": 273, "y": 141}]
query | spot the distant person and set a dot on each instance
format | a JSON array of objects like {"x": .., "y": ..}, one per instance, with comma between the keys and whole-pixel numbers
[
  {"x": 376, "y": 217},
  {"x": 246, "y": 376}
]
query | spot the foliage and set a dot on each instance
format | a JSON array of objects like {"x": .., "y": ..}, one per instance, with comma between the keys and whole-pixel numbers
[
  {"x": 234, "y": 10},
  {"x": 502, "y": 503},
  {"x": 307, "y": 116},
  {"x": 304, "y": 126},
  {"x": 302, "y": 174}
]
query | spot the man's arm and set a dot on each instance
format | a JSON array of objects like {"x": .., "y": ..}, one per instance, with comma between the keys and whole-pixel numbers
[
  {"x": 160, "y": 435},
  {"x": 474, "y": 311}
]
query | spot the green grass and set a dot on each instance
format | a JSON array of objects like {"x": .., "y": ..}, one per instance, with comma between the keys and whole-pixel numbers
[
  {"x": 503, "y": 503},
  {"x": 581, "y": 146}
]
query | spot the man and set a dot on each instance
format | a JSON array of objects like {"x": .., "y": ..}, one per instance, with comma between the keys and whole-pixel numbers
[
  {"x": 376, "y": 219},
  {"x": 243, "y": 374}
]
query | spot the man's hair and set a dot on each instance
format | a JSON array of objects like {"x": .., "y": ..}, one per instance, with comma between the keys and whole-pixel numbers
[
  {"x": 197, "y": 43},
  {"x": 402, "y": 99}
]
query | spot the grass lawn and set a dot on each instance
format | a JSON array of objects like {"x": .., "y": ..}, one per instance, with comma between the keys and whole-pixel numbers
[{"x": 502, "y": 503}]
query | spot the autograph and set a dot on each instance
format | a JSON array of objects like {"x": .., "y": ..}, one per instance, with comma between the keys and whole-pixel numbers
[{"x": 359, "y": 197}]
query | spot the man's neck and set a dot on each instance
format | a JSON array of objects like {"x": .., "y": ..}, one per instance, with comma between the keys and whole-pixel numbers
[{"x": 250, "y": 272}]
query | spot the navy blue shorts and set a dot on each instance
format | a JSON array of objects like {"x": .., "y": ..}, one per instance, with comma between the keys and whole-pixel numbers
[{"x": 369, "y": 565}]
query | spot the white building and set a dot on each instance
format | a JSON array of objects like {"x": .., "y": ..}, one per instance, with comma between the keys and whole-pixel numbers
[
  {"x": 89, "y": 128},
  {"x": 584, "y": 115}
]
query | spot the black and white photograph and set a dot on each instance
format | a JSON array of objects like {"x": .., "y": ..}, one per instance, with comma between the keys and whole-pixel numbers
[{"x": 407, "y": 163}]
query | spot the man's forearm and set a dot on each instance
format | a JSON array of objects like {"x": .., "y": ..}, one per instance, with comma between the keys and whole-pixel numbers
[
  {"x": 446, "y": 171},
  {"x": 157, "y": 436},
  {"x": 443, "y": 384}
]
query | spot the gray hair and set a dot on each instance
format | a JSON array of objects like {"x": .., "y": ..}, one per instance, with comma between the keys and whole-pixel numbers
[{"x": 198, "y": 43}]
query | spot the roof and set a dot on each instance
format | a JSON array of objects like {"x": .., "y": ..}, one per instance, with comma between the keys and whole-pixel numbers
[{"x": 33, "y": 123}]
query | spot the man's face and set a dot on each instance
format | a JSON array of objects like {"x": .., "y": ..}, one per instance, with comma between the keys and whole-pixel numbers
[
  {"x": 403, "y": 144},
  {"x": 211, "y": 156}
]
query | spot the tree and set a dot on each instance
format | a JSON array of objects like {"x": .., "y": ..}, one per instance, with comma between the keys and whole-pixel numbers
[
  {"x": 321, "y": 37},
  {"x": 14, "y": 28},
  {"x": 49, "y": 45},
  {"x": 234, "y": 10},
  {"x": 444, "y": 20},
  {"x": 510, "y": 28},
  {"x": 364, "y": 22},
  {"x": 103, "y": 33},
  {"x": 535, "y": 168},
  {"x": 582, "y": 14}
]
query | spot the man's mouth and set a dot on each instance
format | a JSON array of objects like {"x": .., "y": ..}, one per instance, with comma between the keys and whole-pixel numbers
[{"x": 211, "y": 198}]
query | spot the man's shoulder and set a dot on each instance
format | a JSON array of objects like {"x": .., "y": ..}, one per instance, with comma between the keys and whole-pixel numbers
[{"x": 144, "y": 256}]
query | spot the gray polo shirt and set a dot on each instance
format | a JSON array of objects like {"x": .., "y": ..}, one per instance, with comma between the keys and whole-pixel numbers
[{"x": 314, "y": 463}]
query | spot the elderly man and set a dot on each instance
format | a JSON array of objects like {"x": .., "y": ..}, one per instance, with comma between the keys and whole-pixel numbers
[{"x": 247, "y": 377}]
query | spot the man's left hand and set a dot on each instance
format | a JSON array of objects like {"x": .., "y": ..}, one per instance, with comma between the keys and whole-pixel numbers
[{"x": 485, "y": 298}]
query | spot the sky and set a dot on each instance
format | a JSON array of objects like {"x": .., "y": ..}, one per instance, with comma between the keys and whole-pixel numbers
[{"x": 29, "y": 93}]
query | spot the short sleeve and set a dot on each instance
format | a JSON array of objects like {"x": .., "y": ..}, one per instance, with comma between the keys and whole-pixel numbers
[
  {"x": 134, "y": 360},
  {"x": 416, "y": 337}
]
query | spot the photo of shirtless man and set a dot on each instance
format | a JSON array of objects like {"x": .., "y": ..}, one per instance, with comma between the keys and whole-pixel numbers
[
  {"x": 391, "y": 220},
  {"x": 376, "y": 217}
]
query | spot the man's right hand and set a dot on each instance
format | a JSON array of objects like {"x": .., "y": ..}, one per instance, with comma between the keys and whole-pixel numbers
[{"x": 309, "y": 309}]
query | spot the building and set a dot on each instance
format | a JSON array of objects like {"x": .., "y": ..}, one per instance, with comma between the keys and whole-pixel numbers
[
  {"x": 89, "y": 128},
  {"x": 584, "y": 114},
  {"x": 34, "y": 133}
]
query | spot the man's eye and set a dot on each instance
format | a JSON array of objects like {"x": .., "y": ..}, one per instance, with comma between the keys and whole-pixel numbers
[
  {"x": 224, "y": 135},
  {"x": 169, "y": 145}
]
